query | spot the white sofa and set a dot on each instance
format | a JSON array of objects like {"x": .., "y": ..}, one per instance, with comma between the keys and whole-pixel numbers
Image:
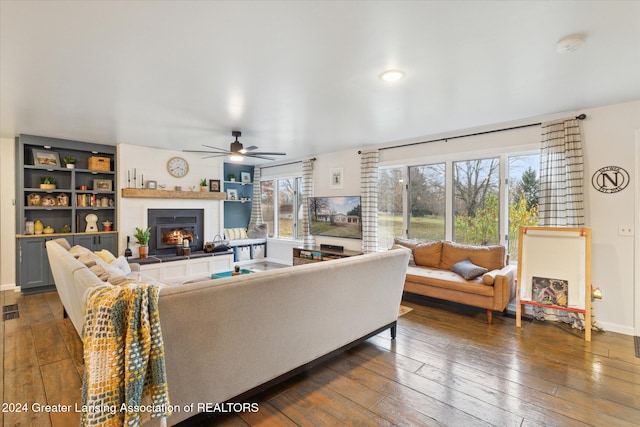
[{"x": 232, "y": 337}]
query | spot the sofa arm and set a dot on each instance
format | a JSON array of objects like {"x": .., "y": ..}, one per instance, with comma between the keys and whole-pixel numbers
[{"x": 504, "y": 287}]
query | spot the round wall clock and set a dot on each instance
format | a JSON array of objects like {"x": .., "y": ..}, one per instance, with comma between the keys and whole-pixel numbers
[{"x": 177, "y": 167}]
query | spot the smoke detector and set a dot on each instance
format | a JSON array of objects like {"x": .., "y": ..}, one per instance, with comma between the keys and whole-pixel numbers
[{"x": 570, "y": 43}]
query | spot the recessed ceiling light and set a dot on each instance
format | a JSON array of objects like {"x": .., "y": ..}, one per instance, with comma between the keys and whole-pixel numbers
[
  {"x": 392, "y": 75},
  {"x": 570, "y": 43}
]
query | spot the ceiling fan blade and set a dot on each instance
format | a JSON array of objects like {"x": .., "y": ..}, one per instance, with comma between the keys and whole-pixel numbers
[
  {"x": 215, "y": 148},
  {"x": 255, "y": 156},
  {"x": 215, "y": 155},
  {"x": 253, "y": 147},
  {"x": 267, "y": 153},
  {"x": 200, "y": 151}
]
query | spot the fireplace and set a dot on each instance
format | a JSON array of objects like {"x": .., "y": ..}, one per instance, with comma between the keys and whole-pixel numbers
[{"x": 170, "y": 227}]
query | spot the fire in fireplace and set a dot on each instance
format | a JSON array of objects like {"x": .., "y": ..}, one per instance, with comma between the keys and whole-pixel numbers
[{"x": 170, "y": 227}]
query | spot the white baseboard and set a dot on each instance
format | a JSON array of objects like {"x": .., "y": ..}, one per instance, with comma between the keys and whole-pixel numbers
[{"x": 10, "y": 287}]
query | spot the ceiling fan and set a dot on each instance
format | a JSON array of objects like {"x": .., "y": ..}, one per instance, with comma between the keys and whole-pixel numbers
[{"x": 236, "y": 151}]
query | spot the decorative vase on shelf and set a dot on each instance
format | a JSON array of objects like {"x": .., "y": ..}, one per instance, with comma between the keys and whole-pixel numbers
[
  {"x": 203, "y": 188},
  {"x": 38, "y": 227}
]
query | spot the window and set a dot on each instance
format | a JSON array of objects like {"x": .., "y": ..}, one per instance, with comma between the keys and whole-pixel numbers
[
  {"x": 427, "y": 200},
  {"x": 390, "y": 185},
  {"x": 281, "y": 201},
  {"x": 477, "y": 201},
  {"x": 267, "y": 204},
  {"x": 286, "y": 207},
  {"x": 524, "y": 171},
  {"x": 467, "y": 201}
]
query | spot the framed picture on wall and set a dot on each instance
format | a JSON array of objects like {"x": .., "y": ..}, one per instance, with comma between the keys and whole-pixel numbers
[
  {"x": 214, "y": 185},
  {"x": 232, "y": 194},
  {"x": 245, "y": 177},
  {"x": 336, "y": 178}
]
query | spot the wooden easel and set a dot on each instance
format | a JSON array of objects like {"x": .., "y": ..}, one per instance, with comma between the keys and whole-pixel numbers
[{"x": 555, "y": 253}]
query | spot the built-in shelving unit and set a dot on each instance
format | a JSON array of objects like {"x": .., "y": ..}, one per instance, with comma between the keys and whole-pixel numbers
[
  {"x": 88, "y": 188},
  {"x": 237, "y": 212}
]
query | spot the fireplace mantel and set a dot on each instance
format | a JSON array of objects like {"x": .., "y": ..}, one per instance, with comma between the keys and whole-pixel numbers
[{"x": 171, "y": 194}]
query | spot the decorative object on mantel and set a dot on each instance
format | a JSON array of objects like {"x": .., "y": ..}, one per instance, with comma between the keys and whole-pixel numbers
[
  {"x": 152, "y": 185},
  {"x": 203, "y": 184},
  {"x": 142, "y": 238},
  {"x": 214, "y": 185}
]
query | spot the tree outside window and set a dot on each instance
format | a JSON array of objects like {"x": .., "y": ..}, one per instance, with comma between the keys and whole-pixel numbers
[{"x": 477, "y": 201}]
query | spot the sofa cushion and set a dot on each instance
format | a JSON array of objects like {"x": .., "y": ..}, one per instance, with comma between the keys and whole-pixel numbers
[
  {"x": 409, "y": 251},
  {"x": 468, "y": 270},
  {"x": 258, "y": 231},
  {"x": 447, "y": 279},
  {"x": 428, "y": 254},
  {"x": 63, "y": 242},
  {"x": 235, "y": 233},
  {"x": 407, "y": 243},
  {"x": 105, "y": 255},
  {"x": 78, "y": 250},
  {"x": 489, "y": 257},
  {"x": 489, "y": 278}
]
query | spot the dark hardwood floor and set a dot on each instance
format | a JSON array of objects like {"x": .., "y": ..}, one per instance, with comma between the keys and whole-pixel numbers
[{"x": 446, "y": 367}]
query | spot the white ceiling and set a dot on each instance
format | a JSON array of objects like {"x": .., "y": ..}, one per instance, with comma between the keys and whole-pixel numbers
[{"x": 303, "y": 77}]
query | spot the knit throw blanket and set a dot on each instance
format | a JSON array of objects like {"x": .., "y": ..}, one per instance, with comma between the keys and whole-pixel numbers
[{"x": 124, "y": 376}]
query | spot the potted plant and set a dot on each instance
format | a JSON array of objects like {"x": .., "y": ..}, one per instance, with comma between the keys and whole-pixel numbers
[
  {"x": 142, "y": 238},
  {"x": 70, "y": 161},
  {"x": 231, "y": 177},
  {"x": 203, "y": 184},
  {"x": 236, "y": 270},
  {"x": 47, "y": 183}
]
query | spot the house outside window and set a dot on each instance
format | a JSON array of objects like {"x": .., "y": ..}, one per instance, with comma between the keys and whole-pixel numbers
[{"x": 281, "y": 200}]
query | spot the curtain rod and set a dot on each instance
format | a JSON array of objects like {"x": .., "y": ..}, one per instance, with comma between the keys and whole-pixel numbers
[
  {"x": 313, "y": 159},
  {"x": 579, "y": 117}
]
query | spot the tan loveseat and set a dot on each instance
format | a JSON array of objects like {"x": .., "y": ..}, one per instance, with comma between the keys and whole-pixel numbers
[
  {"x": 231, "y": 337},
  {"x": 430, "y": 273}
]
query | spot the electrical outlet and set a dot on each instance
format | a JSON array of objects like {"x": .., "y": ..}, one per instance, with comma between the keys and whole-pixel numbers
[{"x": 625, "y": 230}]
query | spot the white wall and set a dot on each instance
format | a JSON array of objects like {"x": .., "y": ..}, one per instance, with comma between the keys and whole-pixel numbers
[
  {"x": 151, "y": 164},
  {"x": 7, "y": 214}
]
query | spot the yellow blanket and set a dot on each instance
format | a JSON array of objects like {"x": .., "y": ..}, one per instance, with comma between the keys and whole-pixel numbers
[{"x": 124, "y": 377}]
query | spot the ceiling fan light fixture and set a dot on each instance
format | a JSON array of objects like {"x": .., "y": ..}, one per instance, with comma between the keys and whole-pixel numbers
[
  {"x": 236, "y": 157},
  {"x": 392, "y": 75}
]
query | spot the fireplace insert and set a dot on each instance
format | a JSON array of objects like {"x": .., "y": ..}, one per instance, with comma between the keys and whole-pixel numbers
[{"x": 172, "y": 227}]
